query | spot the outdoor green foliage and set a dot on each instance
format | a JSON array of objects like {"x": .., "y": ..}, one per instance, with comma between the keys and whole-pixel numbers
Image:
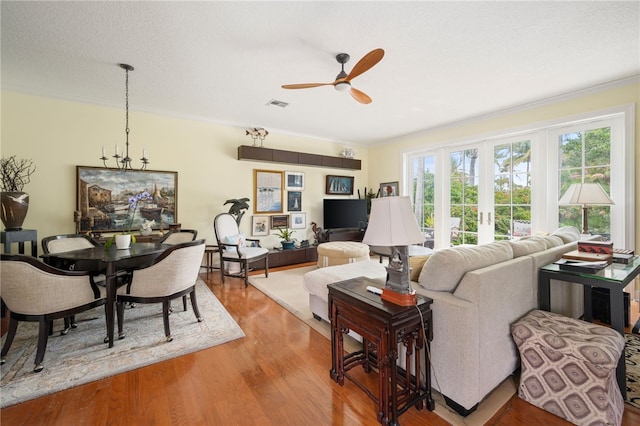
[{"x": 584, "y": 157}]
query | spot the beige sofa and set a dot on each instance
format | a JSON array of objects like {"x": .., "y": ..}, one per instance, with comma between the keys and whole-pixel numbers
[{"x": 478, "y": 292}]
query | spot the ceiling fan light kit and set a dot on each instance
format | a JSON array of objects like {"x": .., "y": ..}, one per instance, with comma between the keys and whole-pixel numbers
[{"x": 342, "y": 82}]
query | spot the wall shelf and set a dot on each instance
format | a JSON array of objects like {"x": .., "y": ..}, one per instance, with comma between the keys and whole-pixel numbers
[{"x": 256, "y": 153}]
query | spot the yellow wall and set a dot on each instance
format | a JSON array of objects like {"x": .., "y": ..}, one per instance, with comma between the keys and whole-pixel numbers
[
  {"x": 59, "y": 135},
  {"x": 382, "y": 170}
]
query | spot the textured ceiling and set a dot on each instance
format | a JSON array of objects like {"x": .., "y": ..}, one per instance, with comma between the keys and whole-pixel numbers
[{"x": 224, "y": 61}]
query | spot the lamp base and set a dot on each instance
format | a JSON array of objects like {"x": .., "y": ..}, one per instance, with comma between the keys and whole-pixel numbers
[{"x": 401, "y": 299}]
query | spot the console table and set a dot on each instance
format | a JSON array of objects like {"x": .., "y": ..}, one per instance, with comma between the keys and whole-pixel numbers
[
  {"x": 24, "y": 235},
  {"x": 278, "y": 257},
  {"x": 382, "y": 326}
]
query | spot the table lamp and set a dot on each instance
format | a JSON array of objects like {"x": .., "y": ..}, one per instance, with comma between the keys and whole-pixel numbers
[
  {"x": 585, "y": 194},
  {"x": 393, "y": 224}
]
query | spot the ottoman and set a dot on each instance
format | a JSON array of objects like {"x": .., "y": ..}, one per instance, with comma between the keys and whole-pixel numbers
[
  {"x": 341, "y": 252},
  {"x": 569, "y": 367}
]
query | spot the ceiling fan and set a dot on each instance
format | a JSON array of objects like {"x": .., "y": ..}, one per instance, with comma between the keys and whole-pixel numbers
[{"x": 343, "y": 80}]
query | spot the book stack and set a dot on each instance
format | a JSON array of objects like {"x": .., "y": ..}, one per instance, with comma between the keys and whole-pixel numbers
[
  {"x": 623, "y": 255},
  {"x": 588, "y": 256},
  {"x": 589, "y": 267},
  {"x": 597, "y": 247}
]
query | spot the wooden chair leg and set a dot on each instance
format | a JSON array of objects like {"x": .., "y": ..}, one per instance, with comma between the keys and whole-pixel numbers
[
  {"x": 43, "y": 336},
  {"x": 165, "y": 319},
  {"x": 194, "y": 304},
  {"x": 120, "y": 315},
  {"x": 245, "y": 266},
  {"x": 184, "y": 302},
  {"x": 11, "y": 333}
]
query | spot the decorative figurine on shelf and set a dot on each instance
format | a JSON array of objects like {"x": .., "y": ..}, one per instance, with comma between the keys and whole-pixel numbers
[{"x": 316, "y": 232}]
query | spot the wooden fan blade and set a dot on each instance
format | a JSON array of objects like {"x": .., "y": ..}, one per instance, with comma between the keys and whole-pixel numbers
[
  {"x": 359, "y": 96},
  {"x": 304, "y": 85},
  {"x": 364, "y": 64}
]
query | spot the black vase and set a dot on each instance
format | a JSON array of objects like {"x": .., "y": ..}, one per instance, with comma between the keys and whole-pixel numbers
[{"x": 14, "y": 209}]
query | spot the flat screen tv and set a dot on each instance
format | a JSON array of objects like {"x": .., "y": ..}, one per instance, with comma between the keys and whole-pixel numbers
[{"x": 341, "y": 214}]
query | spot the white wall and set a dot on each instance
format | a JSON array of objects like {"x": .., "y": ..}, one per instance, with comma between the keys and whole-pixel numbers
[{"x": 59, "y": 135}]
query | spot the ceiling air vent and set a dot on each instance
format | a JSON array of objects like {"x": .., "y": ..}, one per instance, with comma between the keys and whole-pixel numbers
[{"x": 277, "y": 103}]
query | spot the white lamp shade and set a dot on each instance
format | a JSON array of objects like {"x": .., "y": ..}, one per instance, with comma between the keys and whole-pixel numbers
[
  {"x": 392, "y": 223},
  {"x": 585, "y": 194}
]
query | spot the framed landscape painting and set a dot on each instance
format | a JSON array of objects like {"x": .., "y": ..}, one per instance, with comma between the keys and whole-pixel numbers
[
  {"x": 339, "y": 185},
  {"x": 103, "y": 198},
  {"x": 267, "y": 191},
  {"x": 279, "y": 221},
  {"x": 298, "y": 220}
]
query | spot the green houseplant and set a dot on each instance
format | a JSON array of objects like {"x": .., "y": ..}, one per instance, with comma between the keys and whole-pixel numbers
[
  {"x": 14, "y": 175},
  {"x": 286, "y": 235}
]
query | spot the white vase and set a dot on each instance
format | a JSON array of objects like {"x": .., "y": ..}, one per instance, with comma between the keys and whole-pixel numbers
[
  {"x": 123, "y": 241},
  {"x": 145, "y": 231}
]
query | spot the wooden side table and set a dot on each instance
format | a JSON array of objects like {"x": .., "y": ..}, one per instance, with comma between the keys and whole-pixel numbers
[
  {"x": 382, "y": 326},
  {"x": 24, "y": 235}
]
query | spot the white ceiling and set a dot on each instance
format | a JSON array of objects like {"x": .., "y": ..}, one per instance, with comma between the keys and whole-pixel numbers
[{"x": 224, "y": 61}]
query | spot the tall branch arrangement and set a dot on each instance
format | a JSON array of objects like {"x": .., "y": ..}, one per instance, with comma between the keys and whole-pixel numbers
[{"x": 15, "y": 174}]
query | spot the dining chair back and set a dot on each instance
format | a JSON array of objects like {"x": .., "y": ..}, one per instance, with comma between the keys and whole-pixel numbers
[
  {"x": 181, "y": 236},
  {"x": 173, "y": 274},
  {"x": 236, "y": 249},
  {"x": 35, "y": 291}
]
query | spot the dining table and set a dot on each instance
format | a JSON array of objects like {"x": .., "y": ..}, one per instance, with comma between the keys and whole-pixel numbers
[{"x": 112, "y": 262}]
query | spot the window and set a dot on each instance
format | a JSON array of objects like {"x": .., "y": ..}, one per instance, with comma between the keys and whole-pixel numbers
[{"x": 508, "y": 186}]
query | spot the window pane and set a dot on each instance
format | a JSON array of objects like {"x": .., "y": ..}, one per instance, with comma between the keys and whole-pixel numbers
[{"x": 512, "y": 189}]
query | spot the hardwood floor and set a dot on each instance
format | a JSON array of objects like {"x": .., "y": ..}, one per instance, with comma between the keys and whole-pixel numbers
[{"x": 278, "y": 374}]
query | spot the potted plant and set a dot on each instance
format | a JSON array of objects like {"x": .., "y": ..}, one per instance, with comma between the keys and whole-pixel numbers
[
  {"x": 124, "y": 239},
  {"x": 286, "y": 235},
  {"x": 14, "y": 175}
]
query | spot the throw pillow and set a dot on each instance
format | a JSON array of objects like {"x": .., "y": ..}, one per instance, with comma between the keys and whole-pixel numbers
[
  {"x": 446, "y": 267},
  {"x": 567, "y": 233},
  {"x": 528, "y": 246},
  {"x": 416, "y": 263},
  {"x": 238, "y": 239}
]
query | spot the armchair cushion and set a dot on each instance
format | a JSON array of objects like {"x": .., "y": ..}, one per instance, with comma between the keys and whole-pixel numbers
[{"x": 236, "y": 239}]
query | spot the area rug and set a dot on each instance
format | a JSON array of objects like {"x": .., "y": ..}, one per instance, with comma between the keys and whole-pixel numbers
[
  {"x": 285, "y": 287},
  {"x": 632, "y": 354},
  {"x": 81, "y": 356}
]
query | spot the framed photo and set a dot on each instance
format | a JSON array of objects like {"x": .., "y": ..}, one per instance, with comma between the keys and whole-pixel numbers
[
  {"x": 298, "y": 220},
  {"x": 339, "y": 185},
  {"x": 103, "y": 198},
  {"x": 279, "y": 221},
  {"x": 294, "y": 201},
  {"x": 389, "y": 189},
  {"x": 294, "y": 181},
  {"x": 267, "y": 191},
  {"x": 259, "y": 225}
]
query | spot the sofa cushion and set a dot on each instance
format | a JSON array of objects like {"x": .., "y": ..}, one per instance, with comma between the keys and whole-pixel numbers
[
  {"x": 567, "y": 233},
  {"x": 527, "y": 246},
  {"x": 446, "y": 267},
  {"x": 416, "y": 263}
]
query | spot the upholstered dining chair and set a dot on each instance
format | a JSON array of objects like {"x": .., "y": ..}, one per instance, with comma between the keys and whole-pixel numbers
[
  {"x": 235, "y": 248},
  {"x": 35, "y": 291},
  {"x": 68, "y": 242},
  {"x": 181, "y": 236},
  {"x": 177, "y": 237},
  {"x": 173, "y": 274}
]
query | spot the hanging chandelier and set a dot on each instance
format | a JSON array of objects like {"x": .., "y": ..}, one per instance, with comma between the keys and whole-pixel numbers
[{"x": 123, "y": 162}]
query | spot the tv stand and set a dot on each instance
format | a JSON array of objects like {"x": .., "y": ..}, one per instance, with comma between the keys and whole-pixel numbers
[{"x": 341, "y": 235}]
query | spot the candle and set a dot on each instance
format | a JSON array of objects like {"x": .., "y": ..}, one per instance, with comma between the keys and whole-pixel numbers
[
  {"x": 117, "y": 151},
  {"x": 103, "y": 153},
  {"x": 144, "y": 152}
]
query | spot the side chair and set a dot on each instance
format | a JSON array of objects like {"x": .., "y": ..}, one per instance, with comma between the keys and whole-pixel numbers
[
  {"x": 181, "y": 236},
  {"x": 173, "y": 274},
  {"x": 35, "y": 291},
  {"x": 69, "y": 242},
  {"x": 234, "y": 249}
]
